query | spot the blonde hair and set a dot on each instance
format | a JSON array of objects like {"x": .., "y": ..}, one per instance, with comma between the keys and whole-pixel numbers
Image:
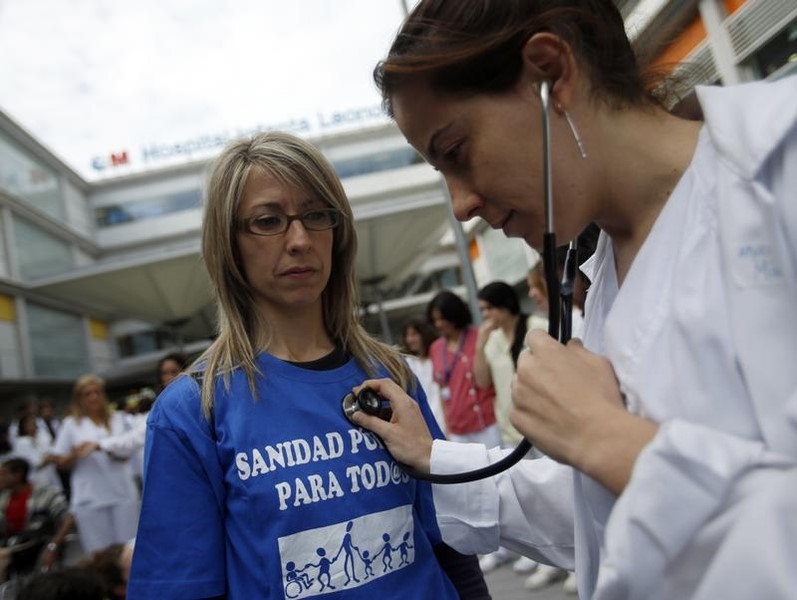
[
  {"x": 537, "y": 277},
  {"x": 81, "y": 384},
  {"x": 242, "y": 330}
]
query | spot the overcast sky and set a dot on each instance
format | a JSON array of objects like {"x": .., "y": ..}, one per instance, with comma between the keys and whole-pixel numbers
[{"x": 92, "y": 77}]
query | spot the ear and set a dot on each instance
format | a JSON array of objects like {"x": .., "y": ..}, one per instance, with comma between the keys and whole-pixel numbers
[{"x": 547, "y": 56}]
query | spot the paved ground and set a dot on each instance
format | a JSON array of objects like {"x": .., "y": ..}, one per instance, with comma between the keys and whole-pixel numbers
[{"x": 505, "y": 584}]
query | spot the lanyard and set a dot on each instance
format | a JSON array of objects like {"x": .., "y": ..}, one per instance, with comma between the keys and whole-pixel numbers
[{"x": 449, "y": 370}]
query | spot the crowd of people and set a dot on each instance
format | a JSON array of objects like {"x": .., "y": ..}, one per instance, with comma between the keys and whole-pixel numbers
[
  {"x": 77, "y": 480},
  {"x": 468, "y": 371},
  {"x": 70, "y": 488}
]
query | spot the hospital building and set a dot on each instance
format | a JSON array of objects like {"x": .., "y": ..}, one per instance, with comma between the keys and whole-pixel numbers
[{"x": 104, "y": 274}]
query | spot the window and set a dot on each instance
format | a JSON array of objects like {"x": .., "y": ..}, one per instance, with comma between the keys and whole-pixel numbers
[
  {"x": 28, "y": 180},
  {"x": 38, "y": 253},
  {"x": 140, "y": 210},
  {"x": 379, "y": 161},
  {"x": 145, "y": 342},
  {"x": 58, "y": 342}
]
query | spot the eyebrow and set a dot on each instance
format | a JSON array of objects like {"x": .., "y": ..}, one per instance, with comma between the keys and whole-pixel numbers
[
  {"x": 303, "y": 205},
  {"x": 431, "y": 149}
]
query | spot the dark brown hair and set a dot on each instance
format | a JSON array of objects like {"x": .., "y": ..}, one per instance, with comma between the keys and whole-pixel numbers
[
  {"x": 474, "y": 46},
  {"x": 428, "y": 335},
  {"x": 106, "y": 566},
  {"x": 451, "y": 308}
]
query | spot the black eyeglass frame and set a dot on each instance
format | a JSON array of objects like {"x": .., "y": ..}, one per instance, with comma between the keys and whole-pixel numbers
[{"x": 337, "y": 216}]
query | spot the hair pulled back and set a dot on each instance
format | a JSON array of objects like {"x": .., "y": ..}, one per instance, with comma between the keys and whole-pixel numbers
[
  {"x": 500, "y": 294},
  {"x": 474, "y": 46}
]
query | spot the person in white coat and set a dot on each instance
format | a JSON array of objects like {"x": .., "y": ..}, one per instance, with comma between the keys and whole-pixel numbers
[
  {"x": 417, "y": 336},
  {"x": 672, "y": 429},
  {"x": 129, "y": 444},
  {"x": 104, "y": 497},
  {"x": 34, "y": 444}
]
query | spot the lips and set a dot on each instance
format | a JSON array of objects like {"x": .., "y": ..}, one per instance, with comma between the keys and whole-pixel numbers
[
  {"x": 500, "y": 224},
  {"x": 298, "y": 271}
]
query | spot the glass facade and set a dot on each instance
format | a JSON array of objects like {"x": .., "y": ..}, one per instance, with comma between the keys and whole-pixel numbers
[
  {"x": 38, "y": 253},
  {"x": 58, "y": 342},
  {"x": 140, "y": 210},
  {"x": 150, "y": 208},
  {"x": 379, "y": 161},
  {"x": 144, "y": 342},
  {"x": 25, "y": 178}
]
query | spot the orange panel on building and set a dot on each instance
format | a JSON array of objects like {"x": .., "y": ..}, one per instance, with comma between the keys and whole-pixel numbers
[
  {"x": 682, "y": 46},
  {"x": 689, "y": 39},
  {"x": 473, "y": 249},
  {"x": 733, "y": 5}
]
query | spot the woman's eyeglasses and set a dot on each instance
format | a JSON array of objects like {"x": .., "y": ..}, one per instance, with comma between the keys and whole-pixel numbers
[{"x": 276, "y": 223}]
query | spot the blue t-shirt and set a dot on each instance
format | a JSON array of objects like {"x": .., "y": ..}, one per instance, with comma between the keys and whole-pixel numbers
[{"x": 281, "y": 497}]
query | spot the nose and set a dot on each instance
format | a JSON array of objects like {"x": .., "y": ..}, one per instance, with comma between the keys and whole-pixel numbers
[
  {"x": 465, "y": 202},
  {"x": 297, "y": 238}
]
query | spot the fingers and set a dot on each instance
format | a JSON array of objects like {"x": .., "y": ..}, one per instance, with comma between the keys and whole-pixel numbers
[
  {"x": 372, "y": 423},
  {"x": 80, "y": 450},
  {"x": 390, "y": 391},
  {"x": 387, "y": 388},
  {"x": 406, "y": 435},
  {"x": 539, "y": 342}
]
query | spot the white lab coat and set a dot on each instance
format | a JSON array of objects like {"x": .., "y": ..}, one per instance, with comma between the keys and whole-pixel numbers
[
  {"x": 423, "y": 369},
  {"x": 33, "y": 450},
  {"x": 711, "y": 508},
  {"x": 129, "y": 444}
]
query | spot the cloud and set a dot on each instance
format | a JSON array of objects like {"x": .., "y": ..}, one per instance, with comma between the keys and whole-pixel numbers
[{"x": 94, "y": 76}]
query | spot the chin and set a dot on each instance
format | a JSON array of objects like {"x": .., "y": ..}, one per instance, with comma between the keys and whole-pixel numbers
[
  {"x": 305, "y": 297},
  {"x": 532, "y": 241},
  {"x": 514, "y": 229}
]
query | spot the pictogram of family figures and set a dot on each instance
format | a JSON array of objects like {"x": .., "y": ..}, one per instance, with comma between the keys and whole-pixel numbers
[{"x": 297, "y": 580}]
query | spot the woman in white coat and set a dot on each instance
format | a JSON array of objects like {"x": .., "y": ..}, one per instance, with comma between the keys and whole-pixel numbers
[
  {"x": 104, "y": 496},
  {"x": 34, "y": 445},
  {"x": 674, "y": 425},
  {"x": 130, "y": 443}
]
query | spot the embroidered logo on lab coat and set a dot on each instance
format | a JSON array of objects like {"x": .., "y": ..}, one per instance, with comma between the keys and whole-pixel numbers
[{"x": 758, "y": 264}]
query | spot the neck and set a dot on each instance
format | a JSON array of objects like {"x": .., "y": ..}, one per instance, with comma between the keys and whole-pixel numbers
[
  {"x": 453, "y": 337},
  {"x": 19, "y": 487},
  {"x": 509, "y": 326},
  {"x": 647, "y": 154},
  {"x": 97, "y": 417},
  {"x": 299, "y": 335}
]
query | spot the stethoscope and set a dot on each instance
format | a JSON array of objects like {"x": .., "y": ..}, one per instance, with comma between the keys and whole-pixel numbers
[{"x": 560, "y": 320}]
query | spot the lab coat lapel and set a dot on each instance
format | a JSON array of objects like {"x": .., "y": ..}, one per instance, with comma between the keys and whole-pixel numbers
[{"x": 761, "y": 282}]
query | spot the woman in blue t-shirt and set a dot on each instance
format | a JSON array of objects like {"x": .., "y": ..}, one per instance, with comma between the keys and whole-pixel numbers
[{"x": 256, "y": 485}]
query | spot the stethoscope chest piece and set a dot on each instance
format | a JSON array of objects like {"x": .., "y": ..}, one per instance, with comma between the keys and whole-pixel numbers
[{"x": 367, "y": 401}]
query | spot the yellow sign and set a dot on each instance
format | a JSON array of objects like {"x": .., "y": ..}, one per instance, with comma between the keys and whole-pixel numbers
[{"x": 8, "y": 311}]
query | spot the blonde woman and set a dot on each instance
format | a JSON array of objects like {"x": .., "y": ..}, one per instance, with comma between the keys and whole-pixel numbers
[
  {"x": 256, "y": 485},
  {"x": 104, "y": 497}
]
